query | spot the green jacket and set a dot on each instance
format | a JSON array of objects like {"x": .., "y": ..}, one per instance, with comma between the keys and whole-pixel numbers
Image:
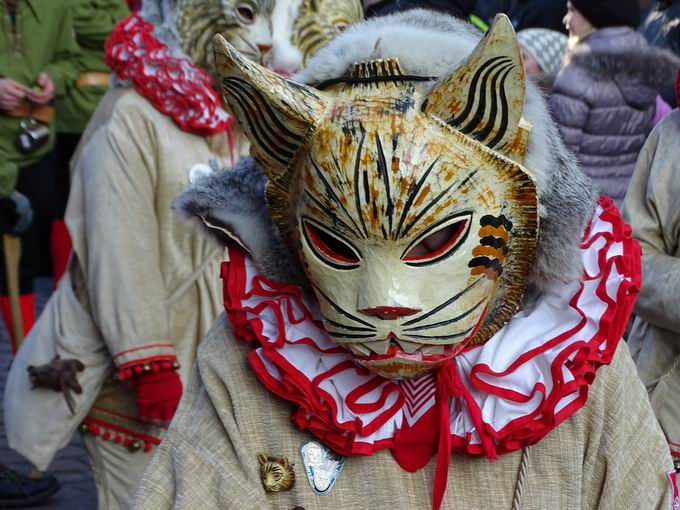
[
  {"x": 93, "y": 20},
  {"x": 40, "y": 39}
]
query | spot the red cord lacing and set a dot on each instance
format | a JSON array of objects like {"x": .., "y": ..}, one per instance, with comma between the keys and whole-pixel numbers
[
  {"x": 450, "y": 386},
  {"x": 173, "y": 85}
]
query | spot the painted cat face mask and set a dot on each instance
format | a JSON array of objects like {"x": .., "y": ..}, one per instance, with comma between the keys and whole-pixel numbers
[
  {"x": 245, "y": 23},
  {"x": 413, "y": 216}
]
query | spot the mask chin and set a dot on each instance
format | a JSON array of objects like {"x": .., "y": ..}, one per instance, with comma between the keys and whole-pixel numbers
[{"x": 398, "y": 364}]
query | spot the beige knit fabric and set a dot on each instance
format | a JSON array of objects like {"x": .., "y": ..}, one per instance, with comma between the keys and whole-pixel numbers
[
  {"x": 116, "y": 473},
  {"x": 610, "y": 454},
  {"x": 652, "y": 207}
]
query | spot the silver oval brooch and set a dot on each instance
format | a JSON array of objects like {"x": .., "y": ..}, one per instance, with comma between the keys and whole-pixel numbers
[{"x": 322, "y": 466}]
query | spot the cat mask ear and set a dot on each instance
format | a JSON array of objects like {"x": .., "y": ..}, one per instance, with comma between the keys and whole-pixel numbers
[
  {"x": 484, "y": 97},
  {"x": 275, "y": 113}
]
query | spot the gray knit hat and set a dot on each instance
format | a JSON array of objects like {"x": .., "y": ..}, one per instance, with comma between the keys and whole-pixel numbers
[{"x": 547, "y": 47}]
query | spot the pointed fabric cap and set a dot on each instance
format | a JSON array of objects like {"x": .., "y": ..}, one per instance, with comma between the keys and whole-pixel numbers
[
  {"x": 275, "y": 113},
  {"x": 484, "y": 97}
]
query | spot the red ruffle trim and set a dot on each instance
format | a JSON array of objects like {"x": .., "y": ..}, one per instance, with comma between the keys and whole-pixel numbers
[
  {"x": 173, "y": 85},
  {"x": 317, "y": 410},
  {"x": 587, "y": 357},
  {"x": 153, "y": 364}
]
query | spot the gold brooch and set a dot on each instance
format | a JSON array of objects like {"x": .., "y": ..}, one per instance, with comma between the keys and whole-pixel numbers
[{"x": 276, "y": 473}]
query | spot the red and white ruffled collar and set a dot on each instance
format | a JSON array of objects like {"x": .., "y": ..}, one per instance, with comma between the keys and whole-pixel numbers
[
  {"x": 173, "y": 85},
  {"x": 504, "y": 395}
]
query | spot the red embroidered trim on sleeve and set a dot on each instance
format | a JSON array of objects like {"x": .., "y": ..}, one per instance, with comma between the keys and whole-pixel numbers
[{"x": 151, "y": 364}]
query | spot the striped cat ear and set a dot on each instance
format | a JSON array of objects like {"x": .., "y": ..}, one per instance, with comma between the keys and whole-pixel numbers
[
  {"x": 484, "y": 97},
  {"x": 274, "y": 113}
]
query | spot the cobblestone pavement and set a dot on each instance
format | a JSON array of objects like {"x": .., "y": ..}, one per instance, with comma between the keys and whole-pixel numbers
[{"x": 71, "y": 465}]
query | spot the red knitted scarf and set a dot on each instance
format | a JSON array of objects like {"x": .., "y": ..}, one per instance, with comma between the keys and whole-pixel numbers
[{"x": 173, "y": 85}]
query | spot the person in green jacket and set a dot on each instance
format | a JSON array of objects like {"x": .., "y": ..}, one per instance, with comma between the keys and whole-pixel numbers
[
  {"x": 93, "y": 20},
  {"x": 38, "y": 61}
]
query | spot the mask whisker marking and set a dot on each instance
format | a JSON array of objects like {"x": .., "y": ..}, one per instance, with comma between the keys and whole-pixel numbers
[
  {"x": 446, "y": 303},
  {"x": 447, "y": 322},
  {"x": 341, "y": 311}
]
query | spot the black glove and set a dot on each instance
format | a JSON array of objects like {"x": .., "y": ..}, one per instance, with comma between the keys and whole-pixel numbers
[{"x": 16, "y": 214}]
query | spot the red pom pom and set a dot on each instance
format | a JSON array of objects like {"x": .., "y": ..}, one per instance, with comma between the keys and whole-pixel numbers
[
  {"x": 94, "y": 429},
  {"x": 106, "y": 435},
  {"x": 147, "y": 447},
  {"x": 155, "y": 367},
  {"x": 139, "y": 369},
  {"x": 117, "y": 439},
  {"x": 127, "y": 441},
  {"x": 166, "y": 365}
]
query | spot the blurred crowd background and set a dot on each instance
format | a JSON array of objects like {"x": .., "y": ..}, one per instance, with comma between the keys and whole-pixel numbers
[{"x": 607, "y": 68}]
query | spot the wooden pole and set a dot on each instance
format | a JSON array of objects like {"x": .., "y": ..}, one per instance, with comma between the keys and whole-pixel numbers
[{"x": 11, "y": 246}]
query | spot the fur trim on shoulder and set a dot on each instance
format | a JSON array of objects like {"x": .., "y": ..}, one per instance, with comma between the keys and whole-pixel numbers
[
  {"x": 229, "y": 205},
  {"x": 650, "y": 66}
]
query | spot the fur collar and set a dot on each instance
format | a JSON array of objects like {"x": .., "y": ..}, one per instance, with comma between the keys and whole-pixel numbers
[
  {"x": 229, "y": 205},
  {"x": 642, "y": 63}
]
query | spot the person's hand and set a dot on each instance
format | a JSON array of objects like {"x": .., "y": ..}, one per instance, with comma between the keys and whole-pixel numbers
[
  {"x": 42, "y": 94},
  {"x": 11, "y": 93},
  {"x": 158, "y": 394}
]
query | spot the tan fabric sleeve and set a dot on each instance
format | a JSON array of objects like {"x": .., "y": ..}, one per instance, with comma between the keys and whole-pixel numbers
[
  {"x": 652, "y": 207},
  {"x": 122, "y": 266},
  {"x": 627, "y": 457},
  {"x": 203, "y": 461}
]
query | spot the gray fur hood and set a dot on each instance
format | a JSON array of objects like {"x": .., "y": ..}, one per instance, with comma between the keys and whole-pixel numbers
[
  {"x": 162, "y": 14},
  {"x": 428, "y": 44}
]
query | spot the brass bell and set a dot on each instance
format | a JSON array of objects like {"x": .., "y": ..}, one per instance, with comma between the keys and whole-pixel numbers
[{"x": 135, "y": 445}]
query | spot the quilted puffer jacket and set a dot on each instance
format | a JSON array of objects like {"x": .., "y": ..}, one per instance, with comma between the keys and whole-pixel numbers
[{"x": 604, "y": 101}]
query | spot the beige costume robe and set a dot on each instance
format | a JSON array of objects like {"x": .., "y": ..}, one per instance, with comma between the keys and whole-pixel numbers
[
  {"x": 610, "y": 454},
  {"x": 141, "y": 283},
  {"x": 652, "y": 207}
]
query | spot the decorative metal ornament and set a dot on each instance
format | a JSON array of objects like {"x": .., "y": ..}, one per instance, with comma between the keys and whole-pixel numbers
[
  {"x": 322, "y": 466},
  {"x": 276, "y": 473},
  {"x": 415, "y": 220},
  {"x": 200, "y": 170}
]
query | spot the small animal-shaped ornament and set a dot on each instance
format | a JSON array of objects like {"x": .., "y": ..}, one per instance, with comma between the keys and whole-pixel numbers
[
  {"x": 60, "y": 375},
  {"x": 276, "y": 473}
]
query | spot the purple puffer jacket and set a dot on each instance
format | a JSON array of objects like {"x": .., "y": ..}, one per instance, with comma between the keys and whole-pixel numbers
[{"x": 604, "y": 101}]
